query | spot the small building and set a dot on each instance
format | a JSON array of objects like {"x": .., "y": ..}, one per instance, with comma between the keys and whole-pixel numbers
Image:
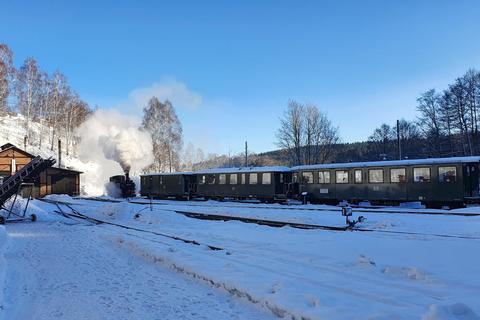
[{"x": 54, "y": 180}]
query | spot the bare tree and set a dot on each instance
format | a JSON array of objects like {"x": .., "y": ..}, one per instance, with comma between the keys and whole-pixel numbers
[
  {"x": 409, "y": 135},
  {"x": 161, "y": 121},
  {"x": 382, "y": 138},
  {"x": 471, "y": 86},
  {"x": 44, "y": 101},
  {"x": 458, "y": 99},
  {"x": 7, "y": 72},
  {"x": 59, "y": 93},
  {"x": 290, "y": 136},
  {"x": 320, "y": 136},
  {"x": 27, "y": 89}
]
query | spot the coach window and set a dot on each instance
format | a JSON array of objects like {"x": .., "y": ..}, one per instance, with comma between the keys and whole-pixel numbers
[
  {"x": 375, "y": 176},
  {"x": 421, "y": 174},
  {"x": 307, "y": 177},
  {"x": 211, "y": 179},
  {"x": 281, "y": 177},
  {"x": 398, "y": 175},
  {"x": 266, "y": 178},
  {"x": 233, "y": 178},
  {"x": 447, "y": 174},
  {"x": 161, "y": 180},
  {"x": 222, "y": 179},
  {"x": 253, "y": 178},
  {"x": 358, "y": 176},
  {"x": 341, "y": 176},
  {"x": 202, "y": 179},
  {"x": 295, "y": 178},
  {"x": 324, "y": 177}
]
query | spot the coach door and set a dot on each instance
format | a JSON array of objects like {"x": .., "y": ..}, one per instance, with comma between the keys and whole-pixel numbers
[{"x": 471, "y": 179}]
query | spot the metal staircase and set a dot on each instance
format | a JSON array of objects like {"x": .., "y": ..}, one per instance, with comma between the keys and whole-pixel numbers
[{"x": 13, "y": 184}]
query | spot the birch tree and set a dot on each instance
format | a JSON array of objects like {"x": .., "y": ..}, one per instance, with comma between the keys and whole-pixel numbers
[
  {"x": 290, "y": 136},
  {"x": 161, "y": 121},
  {"x": 27, "y": 89},
  {"x": 7, "y": 72}
]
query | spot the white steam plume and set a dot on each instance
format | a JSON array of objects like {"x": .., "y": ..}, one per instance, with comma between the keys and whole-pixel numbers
[{"x": 111, "y": 144}]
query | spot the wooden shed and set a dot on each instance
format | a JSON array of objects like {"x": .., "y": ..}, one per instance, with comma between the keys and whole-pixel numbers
[{"x": 54, "y": 180}]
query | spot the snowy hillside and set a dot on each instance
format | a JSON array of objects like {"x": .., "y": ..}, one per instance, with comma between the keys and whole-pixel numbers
[
  {"x": 108, "y": 139},
  {"x": 12, "y": 130}
]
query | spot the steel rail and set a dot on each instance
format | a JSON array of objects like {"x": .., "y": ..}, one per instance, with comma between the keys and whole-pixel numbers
[
  {"x": 360, "y": 210},
  {"x": 279, "y": 224}
]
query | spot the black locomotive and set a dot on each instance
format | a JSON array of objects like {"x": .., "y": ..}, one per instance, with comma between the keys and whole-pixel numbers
[{"x": 124, "y": 184}]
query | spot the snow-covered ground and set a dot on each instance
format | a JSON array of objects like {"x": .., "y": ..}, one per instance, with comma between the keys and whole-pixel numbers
[{"x": 72, "y": 269}]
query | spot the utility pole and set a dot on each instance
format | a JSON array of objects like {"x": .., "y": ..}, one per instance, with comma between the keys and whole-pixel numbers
[
  {"x": 398, "y": 141},
  {"x": 59, "y": 153},
  {"x": 229, "y": 157},
  {"x": 246, "y": 154}
]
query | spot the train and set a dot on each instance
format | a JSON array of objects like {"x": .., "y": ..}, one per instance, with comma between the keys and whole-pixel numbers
[
  {"x": 435, "y": 182},
  {"x": 124, "y": 184}
]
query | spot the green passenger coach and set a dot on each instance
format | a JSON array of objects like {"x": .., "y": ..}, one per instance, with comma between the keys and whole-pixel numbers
[{"x": 436, "y": 181}]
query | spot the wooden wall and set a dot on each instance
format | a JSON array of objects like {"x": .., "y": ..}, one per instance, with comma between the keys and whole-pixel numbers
[
  {"x": 50, "y": 181},
  {"x": 6, "y": 157}
]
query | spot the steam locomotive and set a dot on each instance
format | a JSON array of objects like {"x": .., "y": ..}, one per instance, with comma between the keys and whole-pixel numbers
[{"x": 124, "y": 184}]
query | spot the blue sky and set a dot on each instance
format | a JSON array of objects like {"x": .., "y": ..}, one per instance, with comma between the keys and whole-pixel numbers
[{"x": 230, "y": 67}]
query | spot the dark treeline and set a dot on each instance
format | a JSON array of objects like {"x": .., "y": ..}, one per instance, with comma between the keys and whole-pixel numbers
[{"x": 41, "y": 98}]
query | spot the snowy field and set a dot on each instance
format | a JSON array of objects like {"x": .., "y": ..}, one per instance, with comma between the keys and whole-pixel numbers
[{"x": 411, "y": 266}]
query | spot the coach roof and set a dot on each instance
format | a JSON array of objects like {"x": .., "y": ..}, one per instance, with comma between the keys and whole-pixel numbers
[
  {"x": 389, "y": 163},
  {"x": 244, "y": 170}
]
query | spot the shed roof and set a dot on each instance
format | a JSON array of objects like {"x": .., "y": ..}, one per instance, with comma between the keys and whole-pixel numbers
[
  {"x": 389, "y": 163},
  {"x": 9, "y": 146},
  {"x": 66, "y": 170}
]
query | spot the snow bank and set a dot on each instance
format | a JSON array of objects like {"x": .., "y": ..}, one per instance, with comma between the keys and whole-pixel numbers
[
  {"x": 34, "y": 207},
  {"x": 457, "y": 311}
]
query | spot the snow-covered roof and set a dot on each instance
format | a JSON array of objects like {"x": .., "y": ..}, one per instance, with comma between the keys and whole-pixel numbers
[
  {"x": 165, "y": 174},
  {"x": 389, "y": 163},
  {"x": 244, "y": 170}
]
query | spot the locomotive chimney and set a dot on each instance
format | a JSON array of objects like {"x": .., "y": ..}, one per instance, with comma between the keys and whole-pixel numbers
[{"x": 127, "y": 175}]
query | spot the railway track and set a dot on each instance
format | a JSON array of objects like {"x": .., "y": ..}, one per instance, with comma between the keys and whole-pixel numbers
[
  {"x": 279, "y": 224},
  {"x": 263, "y": 222},
  {"x": 75, "y": 214},
  {"x": 339, "y": 209},
  {"x": 273, "y": 223},
  {"x": 295, "y": 207}
]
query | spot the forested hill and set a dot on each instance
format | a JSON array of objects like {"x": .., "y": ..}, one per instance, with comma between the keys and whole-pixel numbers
[
  {"x": 359, "y": 151},
  {"x": 412, "y": 148}
]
